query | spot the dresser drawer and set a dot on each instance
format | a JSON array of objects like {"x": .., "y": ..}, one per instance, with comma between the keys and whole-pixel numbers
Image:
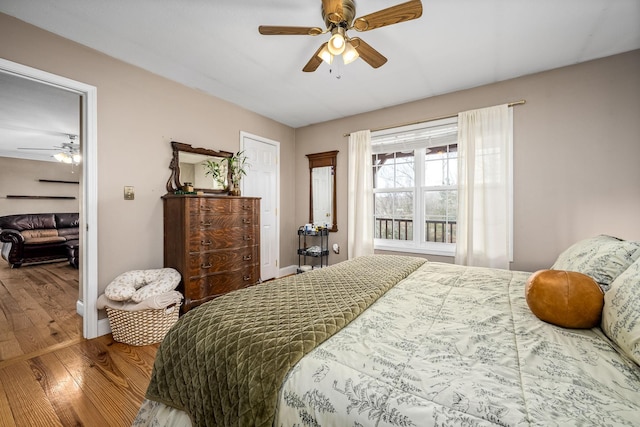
[
  {"x": 220, "y": 283},
  {"x": 216, "y": 261},
  {"x": 220, "y": 206},
  {"x": 209, "y": 220},
  {"x": 213, "y": 239}
]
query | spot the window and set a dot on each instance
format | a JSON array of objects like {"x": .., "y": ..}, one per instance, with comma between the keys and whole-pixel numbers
[{"x": 415, "y": 187}]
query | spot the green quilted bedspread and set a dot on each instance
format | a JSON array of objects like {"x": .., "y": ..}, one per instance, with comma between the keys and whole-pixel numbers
[{"x": 223, "y": 362}]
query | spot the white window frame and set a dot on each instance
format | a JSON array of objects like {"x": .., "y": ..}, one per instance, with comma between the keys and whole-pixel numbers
[{"x": 419, "y": 243}]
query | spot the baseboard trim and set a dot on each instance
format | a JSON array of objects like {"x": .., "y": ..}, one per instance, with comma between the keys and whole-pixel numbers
[
  {"x": 104, "y": 327},
  {"x": 287, "y": 271},
  {"x": 80, "y": 308}
]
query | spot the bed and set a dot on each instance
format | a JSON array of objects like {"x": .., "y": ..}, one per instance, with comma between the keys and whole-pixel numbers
[{"x": 400, "y": 341}]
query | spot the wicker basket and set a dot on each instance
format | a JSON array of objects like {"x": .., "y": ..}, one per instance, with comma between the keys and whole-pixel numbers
[{"x": 142, "y": 327}]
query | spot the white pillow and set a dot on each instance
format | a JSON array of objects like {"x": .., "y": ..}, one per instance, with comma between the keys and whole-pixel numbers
[
  {"x": 157, "y": 283},
  {"x": 138, "y": 285},
  {"x": 621, "y": 313},
  {"x": 602, "y": 258}
]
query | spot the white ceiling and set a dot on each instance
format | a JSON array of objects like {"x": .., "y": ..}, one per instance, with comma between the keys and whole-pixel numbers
[
  {"x": 214, "y": 46},
  {"x": 35, "y": 118}
]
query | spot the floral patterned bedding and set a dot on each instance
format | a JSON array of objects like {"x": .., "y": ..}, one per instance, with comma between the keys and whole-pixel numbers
[{"x": 455, "y": 345}]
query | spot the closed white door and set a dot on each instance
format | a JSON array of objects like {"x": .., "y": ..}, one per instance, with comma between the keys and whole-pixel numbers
[{"x": 263, "y": 180}]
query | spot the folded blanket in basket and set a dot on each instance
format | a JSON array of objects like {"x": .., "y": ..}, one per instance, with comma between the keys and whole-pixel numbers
[{"x": 155, "y": 302}]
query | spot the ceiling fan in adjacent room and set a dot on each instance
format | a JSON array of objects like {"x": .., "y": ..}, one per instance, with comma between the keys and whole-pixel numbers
[
  {"x": 68, "y": 152},
  {"x": 339, "y": 16}
]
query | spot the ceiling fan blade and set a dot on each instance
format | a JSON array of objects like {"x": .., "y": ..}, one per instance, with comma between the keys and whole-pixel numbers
[
  {"x": 39, "y": 149},
  {"x": 275, "y": 30},
  {"x": 367, "y": 53},
  {"x": 391, "y": 15},
  {"x": 315, "y": 61}
]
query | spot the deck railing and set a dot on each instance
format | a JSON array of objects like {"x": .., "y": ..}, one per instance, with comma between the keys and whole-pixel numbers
[{"x": 402, "y": 229}]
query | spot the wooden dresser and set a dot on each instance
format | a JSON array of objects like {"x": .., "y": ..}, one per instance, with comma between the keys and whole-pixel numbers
[{"x": 214, "y": 242}]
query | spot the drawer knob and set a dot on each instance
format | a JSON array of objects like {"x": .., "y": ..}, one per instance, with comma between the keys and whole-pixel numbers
[
  {"x": 246, "y": 278},
  {"x": 205, "y": 265},
  {"x": 205, "y": 224},
  {"x": 202, "y": 208},
  {"x": 246, "y": 221},
  {"x": 207, "y": 243},
  {"x": 246, "y": 207},
  {"x": 246, "y": 257},
  {"x": 247, "y": 237}
]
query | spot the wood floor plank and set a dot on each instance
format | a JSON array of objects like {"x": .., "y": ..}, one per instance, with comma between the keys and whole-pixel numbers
[
  {"x": 41, "y": 318},
  {"x": 32, "y": 309},
  {"x": 115, "y": 396},
  {"x": 38, "y": 337},
  {"x": 50, "y": 349},
  {"x": 9, "y": 346},
  {"x": 135, "y": 362},
  {"x": 28, "y": 403},
  {"x": 69, "y": 402},
  {"x": 15, "y": 317},
  {"x": 53, "y": 292},
  {"x": 6, "y": 416}
]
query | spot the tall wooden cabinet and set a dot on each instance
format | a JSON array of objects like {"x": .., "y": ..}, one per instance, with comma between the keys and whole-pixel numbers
[{"x": 214, "y": 242}]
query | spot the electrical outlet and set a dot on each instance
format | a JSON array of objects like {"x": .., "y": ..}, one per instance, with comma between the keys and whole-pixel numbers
[{"x": 129, "y": 193}]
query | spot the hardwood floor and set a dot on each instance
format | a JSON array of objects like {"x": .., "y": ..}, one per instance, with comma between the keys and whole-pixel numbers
[
  {"x": 37, "y": 307},
  {"x": 49, "y": 374},
  {"x": 95, "y": 382}
]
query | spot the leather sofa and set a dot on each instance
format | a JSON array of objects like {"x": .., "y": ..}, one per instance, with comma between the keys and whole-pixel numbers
[{"x": 42, "y": 237}]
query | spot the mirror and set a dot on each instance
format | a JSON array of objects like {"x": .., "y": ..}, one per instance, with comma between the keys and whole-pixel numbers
[
  {"x": 322, "y": 189},
  {"x": 188, "y": 164}
]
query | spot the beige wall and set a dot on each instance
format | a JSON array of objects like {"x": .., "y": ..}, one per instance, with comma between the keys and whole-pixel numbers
[
  {"x": 139, "y": 113},
  {"x": 22, "y": 177},
  {"x": 576, "y": 153}
]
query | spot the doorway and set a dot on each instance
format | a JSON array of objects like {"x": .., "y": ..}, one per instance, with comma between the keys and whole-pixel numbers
[
  {"x": 86, "y": 303},
  {"x": 263, "y": 180}
]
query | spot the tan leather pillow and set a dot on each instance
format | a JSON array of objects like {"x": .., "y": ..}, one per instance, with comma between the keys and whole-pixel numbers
[{"x": 565, "y": 298}]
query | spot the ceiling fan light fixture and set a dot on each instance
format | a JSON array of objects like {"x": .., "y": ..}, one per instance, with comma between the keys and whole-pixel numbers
[
  {"x": 68, "y": 158},
  {"x": 337, "y": 43},
  {"x": 325, "y": 55},
  {"x": 350, "y": 54}
]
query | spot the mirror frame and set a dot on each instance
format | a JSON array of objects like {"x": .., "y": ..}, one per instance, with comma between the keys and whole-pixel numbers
[
  {"x": 319, "y": 160},
  {"x": 174, "y": 183}
]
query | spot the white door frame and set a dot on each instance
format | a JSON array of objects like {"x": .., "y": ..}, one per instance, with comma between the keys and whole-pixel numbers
[
  {"x": 244, "y": 135},
  {"x": 89, "y": 204}
]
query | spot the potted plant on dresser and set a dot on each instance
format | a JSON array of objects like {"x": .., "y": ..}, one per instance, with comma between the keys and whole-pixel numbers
[{"x": 237, "y": 165}]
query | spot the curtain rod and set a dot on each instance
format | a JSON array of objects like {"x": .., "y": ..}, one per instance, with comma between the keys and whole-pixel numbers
[{"x": 511, "y": 104}]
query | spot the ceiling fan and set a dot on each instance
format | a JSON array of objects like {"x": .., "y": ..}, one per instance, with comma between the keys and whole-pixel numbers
[
  {"x": 68, "y": 152},
  {"x": 339, "y": 16}
]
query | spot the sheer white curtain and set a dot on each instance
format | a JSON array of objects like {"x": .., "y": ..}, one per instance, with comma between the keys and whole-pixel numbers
[
  {"x": 485, "y": 144},
  {"x": 360, "y": 205}
]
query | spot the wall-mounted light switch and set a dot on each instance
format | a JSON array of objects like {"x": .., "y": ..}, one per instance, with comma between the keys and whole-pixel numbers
[{"x": 129, "y": 193}]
